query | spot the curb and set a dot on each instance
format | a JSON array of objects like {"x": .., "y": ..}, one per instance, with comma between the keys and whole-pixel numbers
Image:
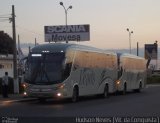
[
  {"x": 17, "y": 100},
  {"x": 25, "y": 100}
]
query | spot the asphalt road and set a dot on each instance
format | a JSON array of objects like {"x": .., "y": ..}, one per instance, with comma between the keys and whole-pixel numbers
[{"x": 146, "y": 103}]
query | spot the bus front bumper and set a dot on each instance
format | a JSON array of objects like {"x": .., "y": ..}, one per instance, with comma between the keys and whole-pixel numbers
[{"x": 46, "y": 94}]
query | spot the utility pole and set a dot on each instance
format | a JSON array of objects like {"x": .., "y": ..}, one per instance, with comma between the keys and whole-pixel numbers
[
  {"x": 29, "y": 48},
  {"x": 137, "y": 49},
  {"x": 35, "y": 41},
  {"x": 156, "y": 44},
  {"x": 16, "y": 85}
]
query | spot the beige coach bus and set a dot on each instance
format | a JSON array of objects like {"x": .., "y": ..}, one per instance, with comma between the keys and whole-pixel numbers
[
  {"x": 61, "y": 70},
  {"x": 131, "y": 73}
]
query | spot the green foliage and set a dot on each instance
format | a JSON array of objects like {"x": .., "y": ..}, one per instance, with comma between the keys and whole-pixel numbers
[
  {"x": 6, "y": 43},
  {"x": 153, "y": 79}
]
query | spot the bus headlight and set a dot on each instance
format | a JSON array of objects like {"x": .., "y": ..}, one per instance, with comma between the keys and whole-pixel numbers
[
  {"x": 61, "y": 86},
  {"x": 118, "y": 82},
  {"x": 24, "y": 85},
  {"x": 25, "y": 93},
  {"x": 59, "y": 94}
]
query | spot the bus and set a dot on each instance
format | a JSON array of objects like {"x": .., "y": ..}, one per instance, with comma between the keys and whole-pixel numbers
[
  {"x": 69, "y": 71},
  {"x": 59, "y": 70},
  {"x": 131, "y": 73}
]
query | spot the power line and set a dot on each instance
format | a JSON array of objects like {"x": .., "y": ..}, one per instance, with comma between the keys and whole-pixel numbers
[
  {"x": 5, "y": 15},
  {"x": 5, "y": 25},
  {"x": 4, "y": 20}
]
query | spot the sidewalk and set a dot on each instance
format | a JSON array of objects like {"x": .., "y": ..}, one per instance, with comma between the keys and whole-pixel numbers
[
  {"x": 15, "y": 98},
  {"x": 153, "y": 85}
]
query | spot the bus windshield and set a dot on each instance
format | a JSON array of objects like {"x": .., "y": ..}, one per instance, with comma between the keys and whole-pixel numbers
[{"x": 45, "y": 68}]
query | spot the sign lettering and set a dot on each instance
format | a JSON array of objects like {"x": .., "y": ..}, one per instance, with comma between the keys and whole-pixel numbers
[{"x": 69, "y": 33}]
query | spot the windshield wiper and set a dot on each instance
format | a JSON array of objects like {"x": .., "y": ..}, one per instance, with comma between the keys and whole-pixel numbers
[{"x": 39, "y": 71}]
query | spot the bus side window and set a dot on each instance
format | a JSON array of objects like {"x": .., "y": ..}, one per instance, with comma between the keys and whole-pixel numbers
[
  {"x": 120, "y": 72},
  {"x": 67, "y": 70}
]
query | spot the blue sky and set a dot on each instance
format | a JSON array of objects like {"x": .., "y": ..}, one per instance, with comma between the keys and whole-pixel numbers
[{"x": 108, "y": 20}]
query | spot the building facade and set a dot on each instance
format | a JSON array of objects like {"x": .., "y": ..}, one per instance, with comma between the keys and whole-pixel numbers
[{"x": 6, "y": 65}]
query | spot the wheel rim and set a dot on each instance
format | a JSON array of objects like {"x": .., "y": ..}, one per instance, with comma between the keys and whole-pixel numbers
[
  {"x": 140, "y": 86},
  {"x": 106, "y": 92},
  {"x": 125, "y": 88},
  {"x": 75, "y": 95}
]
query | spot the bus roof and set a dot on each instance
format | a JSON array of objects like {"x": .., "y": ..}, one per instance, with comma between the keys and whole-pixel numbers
[
  {"x": 59, "y": 47},
  {"x": 51, "y": 47},
  {"x": 129, "y": 55}
]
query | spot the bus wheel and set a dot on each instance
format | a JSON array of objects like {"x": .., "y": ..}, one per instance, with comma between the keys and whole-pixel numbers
[
  {"x": 106, "y": 92},
  {"x": 124, "y": 89},
  {"x": 140, "y": 87},
  {"x": 75, "y": 94}
]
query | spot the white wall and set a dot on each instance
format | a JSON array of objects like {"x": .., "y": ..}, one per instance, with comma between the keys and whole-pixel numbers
[{"x": 7, "y": 63}]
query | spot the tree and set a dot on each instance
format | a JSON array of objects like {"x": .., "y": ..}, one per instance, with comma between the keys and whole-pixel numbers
[{"x": 6, "y": 43}]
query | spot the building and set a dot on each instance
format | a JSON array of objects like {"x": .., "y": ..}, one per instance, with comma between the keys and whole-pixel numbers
[{"x": 6, "y": 65}]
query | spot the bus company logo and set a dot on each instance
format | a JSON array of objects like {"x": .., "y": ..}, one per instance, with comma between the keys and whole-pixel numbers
[
  {"x": 9, "y": 120},
  {"x": 64, "y": 37},
  {"x": 67, "y": 33},
  {"x": 67, "y": 29}
]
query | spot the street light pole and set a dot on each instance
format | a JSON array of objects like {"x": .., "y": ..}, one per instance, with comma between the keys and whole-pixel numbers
[
  {"x": 130, "y": 32},
  {"x": 66, "y": 12}
]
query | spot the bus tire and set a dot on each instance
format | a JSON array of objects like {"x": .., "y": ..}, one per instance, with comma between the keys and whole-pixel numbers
[
  {"x": 75, "y": 94},
  {"x": 124, "y": 89},
  {"x": 106, "y": 91},
  {"x": 140, "y": 87}
]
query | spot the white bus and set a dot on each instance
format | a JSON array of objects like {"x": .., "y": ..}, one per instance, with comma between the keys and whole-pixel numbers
[
  {"x": 69, "y": 70},
  {"x": 131, "y": 73}
]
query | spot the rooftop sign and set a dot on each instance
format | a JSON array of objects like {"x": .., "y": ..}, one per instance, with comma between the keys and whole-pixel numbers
[{"x": 67, "y": 33}]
